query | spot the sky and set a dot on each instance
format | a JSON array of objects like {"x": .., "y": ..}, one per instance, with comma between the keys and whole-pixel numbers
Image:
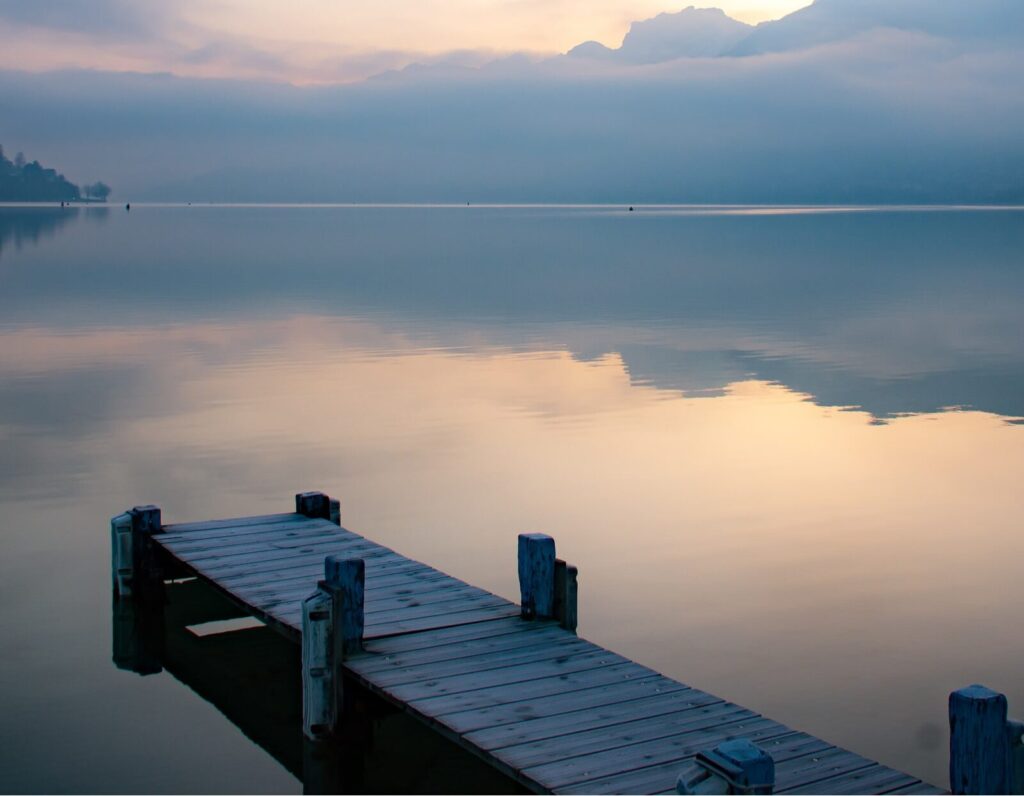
[
  {"x": 313, "y": 41},
  {"x": 915, "y": 101}
]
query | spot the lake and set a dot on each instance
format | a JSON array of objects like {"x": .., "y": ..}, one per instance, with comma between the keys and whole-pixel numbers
[{"x": 783, "y": 445}]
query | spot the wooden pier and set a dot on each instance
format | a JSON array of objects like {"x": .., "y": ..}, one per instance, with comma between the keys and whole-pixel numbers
[{"x": 511, "y": 683}]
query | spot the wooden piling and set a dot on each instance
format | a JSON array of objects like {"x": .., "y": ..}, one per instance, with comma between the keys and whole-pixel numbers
[
  {"x": 537, "y": 575},
  {"x": 985, "y": 754},
  {"x": 566, "y": 595},
  {"x": 332, "y": 630},
  {"x": 313, "y": 504},
  {"x": 134, "y": 564},
  {"x": 318, "y": 686},
  {"x": 345, "y": 578},
  {"x": 121, "y": 560}
]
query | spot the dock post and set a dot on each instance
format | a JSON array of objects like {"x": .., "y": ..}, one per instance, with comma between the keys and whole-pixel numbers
[
  {"x": 566, "y": 595},
  {"x": 134, "y": 566},
  {"x": 313, "y": 504},
  {"x": 986, "y": 754},
  {"x": 537, "y": 575},
  {"x": 332, "y": 629},
  {"x": 121, "y": 559},
  {"x": 345, "y": 578},
  {"x": 736, "y": 766},
  {"x": 137, "y": 579},
  {"x": 147, "y": 575}
]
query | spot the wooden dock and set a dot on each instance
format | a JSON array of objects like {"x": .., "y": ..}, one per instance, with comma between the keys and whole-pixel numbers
[{"x": 512, "y": 683}]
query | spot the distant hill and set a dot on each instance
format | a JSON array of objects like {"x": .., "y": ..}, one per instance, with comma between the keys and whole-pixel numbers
[
  {"x": 690, "y": 33},
  {"x": 32, "y": 182}
]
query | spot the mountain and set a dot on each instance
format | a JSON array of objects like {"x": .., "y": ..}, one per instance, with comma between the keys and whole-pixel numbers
[
  {"x": 32, "y": 182},
  {"x": 828, "y": 21},
  {"x": 690, "y": 33}
]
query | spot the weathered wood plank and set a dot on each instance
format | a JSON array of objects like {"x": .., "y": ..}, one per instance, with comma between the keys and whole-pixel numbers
[
  {"x": 375, "y": 629},
  {"x": 275, "y": 579},
  {"x": 463, "y": 653},
  {"x": 604, "y": 739},
  {"x": 228, "y": 535},
  {"x": 918, "y": 788},
  {"x": 379, "y": 591},
  {"x": 230, "y": 522},
  {"x": 809, "y": 773},
  {"x": 496, "y": 662},
  {"x": 590, "y": 718},
  {"x": 556, "y": 686},
  {"x": 874, "y": 780},
  {"x": 251, "y": 543},
  {"x": 383, "y": 576},
  {"x": 612, "y": 686},
  {"x": 286, "y": 560},
  {"x": 529, "y": 675},
  {"x": 382, "y": 650}
]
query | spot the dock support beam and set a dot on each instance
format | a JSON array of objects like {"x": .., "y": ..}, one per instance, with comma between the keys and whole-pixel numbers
[
  {"x": 986, "y": 754},
  {"x": 736, "y": 766},
  {"x": 318, "y": 505},
  {"x": 332, "y": 629}
]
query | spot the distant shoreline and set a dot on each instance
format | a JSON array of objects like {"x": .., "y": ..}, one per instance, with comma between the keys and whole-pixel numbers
[{"x": 738, "y": 208}]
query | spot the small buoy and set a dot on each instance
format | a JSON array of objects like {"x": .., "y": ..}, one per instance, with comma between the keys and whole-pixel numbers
[
  {"x": 631, "y": 208},
  {"x": 128, "y": 206}
]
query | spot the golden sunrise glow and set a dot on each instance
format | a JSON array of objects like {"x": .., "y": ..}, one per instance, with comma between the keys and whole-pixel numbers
[{"x": 323, "y": 41}]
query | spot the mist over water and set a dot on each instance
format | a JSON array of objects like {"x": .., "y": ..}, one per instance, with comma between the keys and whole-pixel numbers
[{"x": 781, "y": 444}]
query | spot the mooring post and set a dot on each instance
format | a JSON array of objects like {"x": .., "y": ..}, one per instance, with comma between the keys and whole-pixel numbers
[
  {"x": 313, "y": 504},
  {"x": 986, "y": 754},
  {"x": 346, "y": 580},
  {"x": 134, "y": 566},
  {"x": 121, "y": 559},
  {"x": 332, "y": 629},
  {"x": 736, "y": 766},
  {"x": 566, "y": 595},
  {"x": 537, "y": 575}
]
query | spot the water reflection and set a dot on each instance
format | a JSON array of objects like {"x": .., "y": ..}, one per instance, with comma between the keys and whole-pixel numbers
[
  {"x": 896, "y": 312},
  {"x": 691, "y": 406},
  {"x": 29, "y": 225},
  {"x": 252, "y": 676}
]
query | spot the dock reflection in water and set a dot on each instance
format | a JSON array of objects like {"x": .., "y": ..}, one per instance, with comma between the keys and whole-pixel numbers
[{"x": 252, "y": 676}]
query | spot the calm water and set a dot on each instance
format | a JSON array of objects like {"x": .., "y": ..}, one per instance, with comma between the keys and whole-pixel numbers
[{"x": 783, "y": 448}]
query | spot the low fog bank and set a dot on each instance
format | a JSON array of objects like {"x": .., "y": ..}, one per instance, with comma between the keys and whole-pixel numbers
[{"x": 886, "y": 112}]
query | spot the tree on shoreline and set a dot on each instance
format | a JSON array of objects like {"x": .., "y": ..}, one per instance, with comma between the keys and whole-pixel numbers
[
  {"x": 98, "y": 190},
  {"x": 21, "y": 181}
]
